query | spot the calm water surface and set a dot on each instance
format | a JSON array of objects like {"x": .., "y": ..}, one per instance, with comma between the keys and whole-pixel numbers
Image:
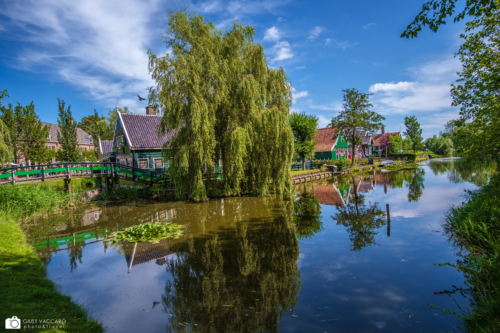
[{"x": 326, "y": 260}]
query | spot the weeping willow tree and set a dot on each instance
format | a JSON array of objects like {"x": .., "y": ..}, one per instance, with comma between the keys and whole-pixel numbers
[
  {"x": 226, "y": 108},
  {"x": 6, "y": 154}
]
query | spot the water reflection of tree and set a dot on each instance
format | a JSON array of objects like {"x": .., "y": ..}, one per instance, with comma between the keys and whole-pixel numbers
[
  {"x": 75, "y": 254},
  {"x": 415, "y": 185},
  {"x": 240, "y": 280},
  {"x": 307, "y": 215},
  {"x": 465, "y": 170},
  {"x": 360, "y": 220}
]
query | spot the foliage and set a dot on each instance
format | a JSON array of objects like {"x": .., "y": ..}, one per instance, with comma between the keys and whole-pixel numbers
[
  {"x": 393, "y": 167},
  {"x": 304, "y": 129},
  {"x": 440, "y": 9},
  {"x": 407, "y": 144},
  {"x": 356, "y": 118},
  {"x": 395, "y": 143},
  {"x": 89, "y": 155},
  {"x": 360, "y": 220},
  {"x": 477, "y": 132},
  {"x": 475, "y": 227},
  {"x": 46, "y": 155},
  {"x": 6, "y": 153},
  {"x": 465, "y": 170},
  {"x": 25, "y": 289},
  {"x": 67, "y": 135},
  {"x": 225, "y": 104},
  {"x": 413, "y": 133},
  {"x": 149, "y": 232},
  {"x": 405, "y": 156},
  {"x": 342, "y": 164},
  {"x": 96, "y": 127},
  {"x": 27, "y": 134},
  {"x": 307, "y": 215},
  {"x": 442, "y": 145}
]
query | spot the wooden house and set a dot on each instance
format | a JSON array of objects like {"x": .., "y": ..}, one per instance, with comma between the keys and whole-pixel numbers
[
  {"x": 330, "y": 145},
  {"x": 381, "y": 139},
  {"x": 136, "y": 141}
]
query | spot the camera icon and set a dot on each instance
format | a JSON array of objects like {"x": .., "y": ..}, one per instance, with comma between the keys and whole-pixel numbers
[{"x": 13, "y": 323}]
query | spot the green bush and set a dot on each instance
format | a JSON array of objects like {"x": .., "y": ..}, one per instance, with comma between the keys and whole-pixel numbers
[
  {"x": 342, "y": 164},
  {"x": 411, "y": 157}
]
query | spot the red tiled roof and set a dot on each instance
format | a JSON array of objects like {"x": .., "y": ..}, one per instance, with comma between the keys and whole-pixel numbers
[
  {"x": 142, "y": 131},
  {"x": 378, "y": 137},
  {"x": 327, "y": 195},
  {"x": 326, "y": 139}
]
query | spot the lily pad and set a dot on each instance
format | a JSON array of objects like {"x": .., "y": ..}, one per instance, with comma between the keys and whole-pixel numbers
[{"x": 148, "y": 232}]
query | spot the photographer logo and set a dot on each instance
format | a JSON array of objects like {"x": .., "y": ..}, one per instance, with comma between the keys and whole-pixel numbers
[{"x": 13, "y": 323}]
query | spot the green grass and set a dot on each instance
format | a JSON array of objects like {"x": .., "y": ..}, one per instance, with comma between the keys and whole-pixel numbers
[
  {"x": 304, "y": 172},
  {"x": 149, "y": 232},
  {"x": 475, "y": 226},
  {"x": 25, "y": 292}
]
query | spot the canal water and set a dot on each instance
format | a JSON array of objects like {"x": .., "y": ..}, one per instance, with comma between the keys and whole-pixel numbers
[{"x": 327, "y": 259}]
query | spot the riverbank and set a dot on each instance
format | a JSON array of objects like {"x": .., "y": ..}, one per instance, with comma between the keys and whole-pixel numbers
[
  {"x": 475, "y": 227},
  {"x": 26, "y": 292}
]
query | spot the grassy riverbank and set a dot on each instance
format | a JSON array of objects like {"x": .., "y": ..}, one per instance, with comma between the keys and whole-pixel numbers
[
  {"x": 475, "y": 226},
  {"x": 26, "y": 292}
]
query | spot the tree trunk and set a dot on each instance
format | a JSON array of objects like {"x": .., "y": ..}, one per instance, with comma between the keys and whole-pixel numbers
[
  {"x": 303, "y": 163},
  {"x": 386, "y": 151}
]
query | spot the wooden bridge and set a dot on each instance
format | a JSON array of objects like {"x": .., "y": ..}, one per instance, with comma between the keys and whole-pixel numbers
[{"x": 109, "y": 170}]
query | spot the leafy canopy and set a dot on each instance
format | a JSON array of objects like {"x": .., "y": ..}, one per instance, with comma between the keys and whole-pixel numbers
[
  {"x": 6, "y": 153},
  {"x": 434, "y": 13},
  {"x": 413, "y": 132},
  {"x": 304, "y": 129},
  {"x": 478, "y": 92},
  {"x": 226, "y": 106},
  {"x": 356, "y": 118}
]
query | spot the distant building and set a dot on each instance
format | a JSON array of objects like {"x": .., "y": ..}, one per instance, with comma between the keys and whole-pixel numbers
[
  {"x": 84, "y": 139},
  {"x": 379, "y": 139},
  {"x": 106, "y": 153},
  {"x": 330, "y": 145}
]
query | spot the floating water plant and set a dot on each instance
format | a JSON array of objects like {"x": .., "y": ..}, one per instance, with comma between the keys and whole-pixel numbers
[
  {"x": 394, "y": 167},
  {"x": 149, "y": 232}
]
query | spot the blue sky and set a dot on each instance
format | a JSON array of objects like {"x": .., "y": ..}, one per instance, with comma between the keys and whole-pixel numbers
[{"x": 92, "y": 53}]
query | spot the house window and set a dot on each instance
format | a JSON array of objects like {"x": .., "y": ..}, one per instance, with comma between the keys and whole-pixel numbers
[
  {"x": 143, "y": 163},
  {"x": 158, "y": 162}
]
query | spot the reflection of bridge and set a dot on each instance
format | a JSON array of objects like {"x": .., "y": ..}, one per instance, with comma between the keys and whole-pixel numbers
[{"x": 67, "y": 171}]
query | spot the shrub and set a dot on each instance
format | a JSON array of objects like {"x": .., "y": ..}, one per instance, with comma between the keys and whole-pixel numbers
[{"x": 411, "y": 157}]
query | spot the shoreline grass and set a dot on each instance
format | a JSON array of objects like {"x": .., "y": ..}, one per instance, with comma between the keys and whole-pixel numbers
[
  {"x": 475, "y": 227},
  {"x": 26, "y": 292}
]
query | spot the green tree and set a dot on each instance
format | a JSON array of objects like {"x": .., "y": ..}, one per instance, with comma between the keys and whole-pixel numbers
[
  {"x": 110, "y": 122},
  {"x": 355, "y": 118},
  {"x": 434, "y": 13},
  {"x": 304, "y": 128},
  {"x": 6, "y": 151},
  {"x": 224, "y": 103},
  {"x": 96, "y": 127},
  {"x": 395, "y": 143},
  {"x": 413, "y": 132},
  {"x": 478, "y": 91},
  {"x": 67, "y": 135}
]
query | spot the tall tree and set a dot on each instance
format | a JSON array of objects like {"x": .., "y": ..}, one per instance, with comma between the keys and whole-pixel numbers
[
  {"x": 111, "y": 122},
  {"x": 6, "y": 151},
  {"x": 356, "y": 118},
  {"x": 67, "y": 135},
  {"x": 414, "y": 132},
  {"x": 478, "y": 91},
  {"x": 224, "y": 103},
  {"x": 304, "y": 128}
]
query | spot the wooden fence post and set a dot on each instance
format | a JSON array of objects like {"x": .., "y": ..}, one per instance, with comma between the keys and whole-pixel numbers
[
  {"x": 14, "y": 177},
  {"x": 42, "y": 173}
]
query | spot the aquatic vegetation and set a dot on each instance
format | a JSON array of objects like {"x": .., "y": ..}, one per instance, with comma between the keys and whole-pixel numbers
[
  {"x": 149, "y": 232},
  {"x": 475, "y": 227},
  {"x": 393, "y": 167}
]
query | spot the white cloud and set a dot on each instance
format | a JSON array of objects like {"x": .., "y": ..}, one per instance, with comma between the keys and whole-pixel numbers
[
  {"x": 300, "y": 67},
  {"x": 429, "y": 91},
  {"x": 342, "y": 44},
  {"x": 400, "y": 86},
  {"x": 210, "y": 7},
  {"x": 281, "y": 50},
  {"x": 280, "y": 19},
  {"x": 98, "y": 47},
  {"x": 328, "y": 41},
  {"x": 315, "y": 32},
  {"x": 333, "y": 106},
  {"x": 369, "y": 25},
  {"x": 323, "y": 121},
  {"x": 299, "y": 94},
  {"x": 272, "y": 34}
]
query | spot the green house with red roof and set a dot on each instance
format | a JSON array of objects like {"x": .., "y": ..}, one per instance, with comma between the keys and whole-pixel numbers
[
  {"x": 136, "y": 141},
  {"x": 330, "y": 145}
]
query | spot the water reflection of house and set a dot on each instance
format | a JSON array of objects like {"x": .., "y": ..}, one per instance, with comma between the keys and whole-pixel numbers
[
  {"x": 331, "y": 195},
  {"x": 382, "y": 179},
  {"x": 89, "y": 217},
  {"x": 141, "y": 253},
  {"x": 365, "y": 186}
]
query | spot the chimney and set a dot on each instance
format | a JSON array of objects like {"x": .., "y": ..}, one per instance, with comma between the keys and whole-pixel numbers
[
  {"x": 150, "y": 111},
  {"x": 383, "y": 129}
]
